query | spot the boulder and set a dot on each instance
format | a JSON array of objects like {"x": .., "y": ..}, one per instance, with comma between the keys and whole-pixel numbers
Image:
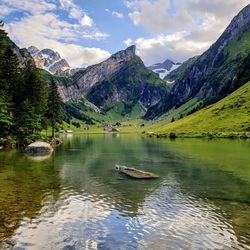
[{"x": 39, "y": 148}]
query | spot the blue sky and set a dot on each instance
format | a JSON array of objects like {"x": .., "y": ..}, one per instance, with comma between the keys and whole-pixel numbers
[{"x": 88, "y": 31}]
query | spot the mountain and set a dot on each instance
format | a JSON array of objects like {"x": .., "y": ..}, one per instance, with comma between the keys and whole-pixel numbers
[
  {"x": 214, "y": 74},
  {"x": 163, "y": 69},
  {"x": 51, "y": 61},
  {"x": 227, "y": 118},
  {"x": 122, "y": 79}
]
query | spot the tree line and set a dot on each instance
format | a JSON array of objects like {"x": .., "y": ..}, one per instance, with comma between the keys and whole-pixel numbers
[{"x": 28, "y": 103}]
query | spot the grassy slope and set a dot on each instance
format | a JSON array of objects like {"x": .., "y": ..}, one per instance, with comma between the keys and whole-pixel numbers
[
  {"x": 229, "y": 116},
  {"x": 65, "y": 81},
  {"x": 179, "y": 73},
  {"x": 240, "y": 47}
]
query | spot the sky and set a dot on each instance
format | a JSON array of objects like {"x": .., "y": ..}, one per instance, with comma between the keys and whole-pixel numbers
[{"x": 86, "y": 32}]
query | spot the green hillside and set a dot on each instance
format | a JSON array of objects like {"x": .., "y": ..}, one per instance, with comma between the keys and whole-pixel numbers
[{"x": 227, "y": 118}]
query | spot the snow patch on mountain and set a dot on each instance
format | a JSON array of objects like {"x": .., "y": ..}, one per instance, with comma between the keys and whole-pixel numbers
[
  {"x": 51, "y": 61},
  {"x": 164, "y": 68}
]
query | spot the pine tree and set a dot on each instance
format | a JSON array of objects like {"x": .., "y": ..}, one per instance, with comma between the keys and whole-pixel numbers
[
  {"x": 10, "y": 75},
  {"x": 6, "y": 118},
  {"x": 27, "y": 122},
  {"x": 54, "y": 106},
  {"x": 35, "y": 88},
  {"x": 23, "y": 95}
]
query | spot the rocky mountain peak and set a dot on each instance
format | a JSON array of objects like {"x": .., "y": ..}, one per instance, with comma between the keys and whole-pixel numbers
[
  {"x": 126, "y": 54},
  {"x": 168, "y": 63},
  {"x": 240, "y": 22},
  {"x": 164, "y": 68},
  {"x": 33, "y": 50},
  {"x": 122, "y": 77},
  {"x": 50, "y": 60},
  {"x": 51, "y": 54},
  {"x": 131, "y": 49}
]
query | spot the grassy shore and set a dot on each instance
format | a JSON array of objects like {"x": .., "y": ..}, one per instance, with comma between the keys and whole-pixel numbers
[{"x": 227, "y": 118}]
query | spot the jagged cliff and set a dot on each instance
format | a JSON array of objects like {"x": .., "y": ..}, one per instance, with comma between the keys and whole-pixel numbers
[{"x": 121, "y": 78}]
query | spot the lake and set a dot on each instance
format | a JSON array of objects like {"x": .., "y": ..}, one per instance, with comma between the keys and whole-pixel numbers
[{"x": 74, "y": 199}]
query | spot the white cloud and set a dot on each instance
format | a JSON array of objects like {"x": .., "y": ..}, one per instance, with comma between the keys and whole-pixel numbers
[
  {"x": 176, "y": 46},
  {"x": 42, "y": 26},
  {"x": 154, "y": 16},
  {"x": 115, "y": 13},
  {"x": 32, "y": 7},
  {"x": 48, "y": 31},
  {"x": 50, "y": 26},
  {"x": 218, "y": 8},
  {"x": 5, "y": 10},
  {"x": 193, "y": 27},
  {"x": 76, "y": 13},
  {"x": 86, "y": 21},
  {"x": 128, "y": 42}
]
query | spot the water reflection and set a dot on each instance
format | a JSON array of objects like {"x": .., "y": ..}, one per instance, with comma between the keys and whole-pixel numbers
[
  {"x": 75, "y": 199},
  {"x": 39, "y": 157}
]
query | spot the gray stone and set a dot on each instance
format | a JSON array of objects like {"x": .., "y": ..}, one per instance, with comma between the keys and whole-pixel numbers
[{"x": 39, "y": 148}]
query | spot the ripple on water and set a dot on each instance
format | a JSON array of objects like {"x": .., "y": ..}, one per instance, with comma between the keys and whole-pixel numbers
[
  {"x": 81, "y": 220},
  {"x": 184, "y": 222}
]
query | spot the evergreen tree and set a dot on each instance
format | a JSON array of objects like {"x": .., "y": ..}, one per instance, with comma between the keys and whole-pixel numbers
[
  {"x": 3, "y": 36},
  {"x": 35, "y": 88},
  {"x": 54, "y": 106},
  {"x": 27, "y": 122},
  {"x": 10, "y": 72},
  {"x": 24, "y": 89},
  {"x": 6, "y": 118}
]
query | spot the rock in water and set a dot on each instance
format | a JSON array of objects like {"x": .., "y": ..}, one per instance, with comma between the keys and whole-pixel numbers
[
  {"x": 39, "y": 148},
  {"x": 135, "y": 173}
]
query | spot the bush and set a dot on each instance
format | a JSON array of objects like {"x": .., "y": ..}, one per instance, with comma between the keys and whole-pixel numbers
[
  {"x": 76, "y": 124},
  {"x": 172, "y": 135}
]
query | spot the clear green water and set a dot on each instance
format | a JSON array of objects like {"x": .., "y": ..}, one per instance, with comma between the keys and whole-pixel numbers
[{"x": 75, "y": 199}]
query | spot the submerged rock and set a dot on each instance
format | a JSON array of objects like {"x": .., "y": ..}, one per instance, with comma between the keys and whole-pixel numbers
[
  {"x": 135, "y": 173},
  {"x": 39, "y": 148}
]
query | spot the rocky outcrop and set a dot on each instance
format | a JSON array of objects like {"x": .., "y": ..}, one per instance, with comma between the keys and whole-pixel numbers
[
  {"x": 94, "y": 74},
  {"x": 121, "y": 78},
  {"x": 213, "y": 75},
  {"x": 39, "y": 148}
]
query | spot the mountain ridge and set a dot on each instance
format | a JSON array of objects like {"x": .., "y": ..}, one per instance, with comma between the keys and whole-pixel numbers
[
  {"x": 121, "y": 78},
  {"x": 213, "y": 75}
]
